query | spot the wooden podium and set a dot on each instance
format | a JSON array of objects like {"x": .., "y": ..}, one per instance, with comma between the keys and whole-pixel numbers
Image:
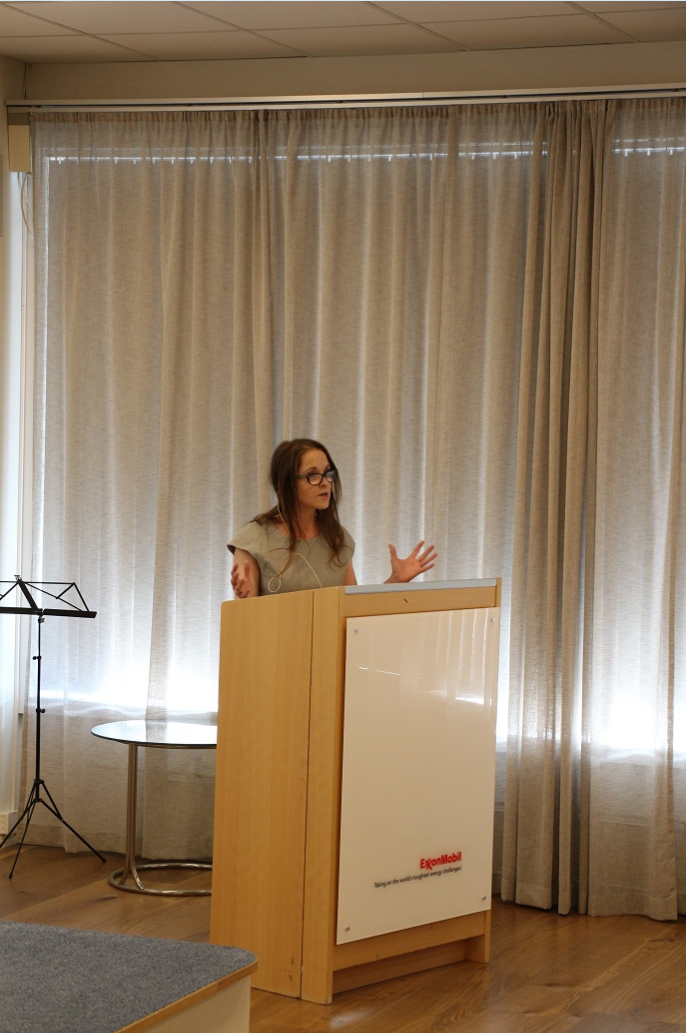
[{"x": 280, "y": 848}]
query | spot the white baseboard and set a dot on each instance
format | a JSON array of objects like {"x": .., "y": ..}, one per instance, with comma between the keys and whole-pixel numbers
[{"x": 7, "y": 820}]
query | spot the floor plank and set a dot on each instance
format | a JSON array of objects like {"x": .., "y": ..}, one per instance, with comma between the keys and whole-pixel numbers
[
  {"x": 547, "y": 974},
  {"x": 53, "y": 888}
]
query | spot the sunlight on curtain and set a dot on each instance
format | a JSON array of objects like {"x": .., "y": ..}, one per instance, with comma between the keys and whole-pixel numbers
[
  {"x": 210, "y": 285},
  {"x": 596, "y": 669},
  {"x": 636, "y": 727},
  {"x": 479, "y": 310}
]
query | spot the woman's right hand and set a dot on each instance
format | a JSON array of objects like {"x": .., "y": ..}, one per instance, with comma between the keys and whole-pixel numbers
[
  {"x": 245, "y": 575},
  {"x": 241, "y": 581}
]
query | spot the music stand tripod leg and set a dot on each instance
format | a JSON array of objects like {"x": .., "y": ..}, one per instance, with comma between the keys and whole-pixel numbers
[
  {"x": 34, "y": 796},
  {"x": 52, "y": 807},
  {"x": 34, "y": 799},
  {"x": 28, "y": 809}
]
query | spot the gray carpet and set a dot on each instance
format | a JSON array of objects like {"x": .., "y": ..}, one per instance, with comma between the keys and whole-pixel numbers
[{"x": 71, "y": 981}]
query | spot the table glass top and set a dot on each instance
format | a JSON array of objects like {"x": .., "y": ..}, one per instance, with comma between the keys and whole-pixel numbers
[{"x": 178, "y": 734}]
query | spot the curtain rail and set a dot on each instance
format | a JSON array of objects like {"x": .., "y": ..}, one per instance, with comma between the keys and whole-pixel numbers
[{"x": 351, "y": 101}]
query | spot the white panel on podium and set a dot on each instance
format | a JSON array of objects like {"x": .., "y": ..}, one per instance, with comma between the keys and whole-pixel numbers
[{"x": 418, "y": 769}]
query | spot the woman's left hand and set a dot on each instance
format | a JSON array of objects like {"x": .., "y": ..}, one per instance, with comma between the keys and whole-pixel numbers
[{"x": 418, "y": 562}]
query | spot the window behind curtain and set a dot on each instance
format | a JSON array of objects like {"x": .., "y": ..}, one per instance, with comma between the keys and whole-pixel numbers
[{"x": 209, "y": 284}]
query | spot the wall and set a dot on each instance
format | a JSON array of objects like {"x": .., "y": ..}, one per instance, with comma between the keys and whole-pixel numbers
[
  {"x": 11, "y": 84},
  {"x": 605, "y": 66}
]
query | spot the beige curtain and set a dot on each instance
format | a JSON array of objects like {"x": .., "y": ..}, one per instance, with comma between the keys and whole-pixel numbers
[
  {"x": 596, "y": 720},
  {"x": 554, "y": 421},
  {"x": 479, "y": 310}
]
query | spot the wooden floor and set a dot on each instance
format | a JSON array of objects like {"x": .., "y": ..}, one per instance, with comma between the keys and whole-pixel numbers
[{"x": 547, "y": 974}]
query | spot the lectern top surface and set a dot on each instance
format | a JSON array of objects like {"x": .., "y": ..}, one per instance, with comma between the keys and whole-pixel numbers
[{"x": 423, "y": 586}]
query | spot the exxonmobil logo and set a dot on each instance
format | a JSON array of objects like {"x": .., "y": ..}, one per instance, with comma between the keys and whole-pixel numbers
[{"x": 433, "y": 862}]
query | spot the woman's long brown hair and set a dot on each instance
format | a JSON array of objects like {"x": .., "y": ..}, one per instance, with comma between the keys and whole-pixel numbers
[{"x": 283, "y": 472}]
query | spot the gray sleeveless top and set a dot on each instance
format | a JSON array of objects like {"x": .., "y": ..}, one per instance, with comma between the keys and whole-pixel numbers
[{"x": 311, "y": 566}]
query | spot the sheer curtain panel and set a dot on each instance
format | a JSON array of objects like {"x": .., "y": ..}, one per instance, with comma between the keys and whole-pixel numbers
[
  {"x": 595, "y": 734},
  {"x": 480, "y": 311}
]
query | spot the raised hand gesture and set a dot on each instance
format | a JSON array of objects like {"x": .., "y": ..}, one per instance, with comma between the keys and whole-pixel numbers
[{"x": 418, "y": 562}]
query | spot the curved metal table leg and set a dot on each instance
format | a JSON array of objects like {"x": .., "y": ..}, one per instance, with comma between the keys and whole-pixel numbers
[{"x": 118, "y": 878}]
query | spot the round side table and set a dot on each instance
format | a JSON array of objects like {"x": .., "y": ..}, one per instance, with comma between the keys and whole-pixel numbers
[{"x": 166, "y": 735}]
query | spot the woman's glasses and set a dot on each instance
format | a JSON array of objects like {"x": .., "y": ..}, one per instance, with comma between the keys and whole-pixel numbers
[{"x": 315, "y": 479}]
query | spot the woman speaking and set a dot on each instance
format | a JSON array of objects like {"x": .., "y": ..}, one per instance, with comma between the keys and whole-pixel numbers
[{"x": 300, "y": 542}]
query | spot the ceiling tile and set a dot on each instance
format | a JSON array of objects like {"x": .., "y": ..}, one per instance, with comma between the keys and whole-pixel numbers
[
  {"x": 17, "y": 23},
  {"x": 64, "y": 49},
  {"x": 110, "y": 16},
  {"x": 372, "y": 39},
  {"x": 434, "y": 10},
  {"x": 626, "y": 5},
  {"x": 234, "y": 29},
  {"x": 270, "y": 14},
  {"x": 512, "y": 33},
  {"x": 648, "y": 26},
  {"x": 196, "y": 46}
]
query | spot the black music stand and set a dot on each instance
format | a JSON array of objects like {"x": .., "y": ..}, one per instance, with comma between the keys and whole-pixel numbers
[{"x": 68, "y": 607}]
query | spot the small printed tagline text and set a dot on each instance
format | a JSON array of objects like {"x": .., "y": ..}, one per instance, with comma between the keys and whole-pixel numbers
[{"x": 416, "y": 878}]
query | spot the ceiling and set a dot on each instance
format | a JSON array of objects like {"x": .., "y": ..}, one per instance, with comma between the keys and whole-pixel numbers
[{"x": 58, "y": 32}]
